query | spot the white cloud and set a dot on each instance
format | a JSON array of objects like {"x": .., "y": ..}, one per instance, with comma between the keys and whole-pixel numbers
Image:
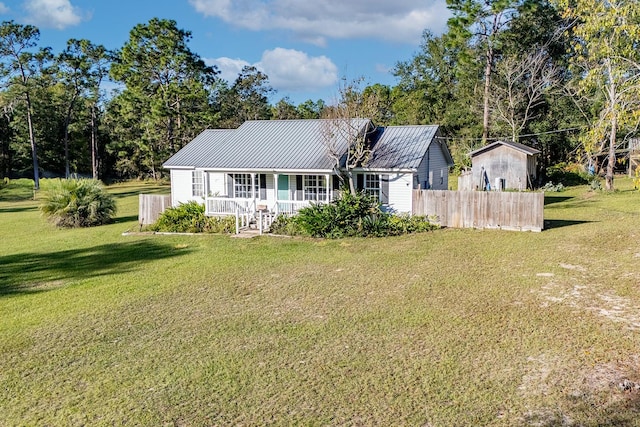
[
  {"x": 315, "y": 21},
  {"x": 289, "y": 70},
  {"x": 293, "y": 70},
  {"x": 3, "y": 8},
  {"x": 58, "y": 14},
  {"x": 229, "y": 68}
]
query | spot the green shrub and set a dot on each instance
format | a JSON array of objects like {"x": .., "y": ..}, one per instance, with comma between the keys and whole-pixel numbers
[
  {"x": 550, "y": 187},
  {"x": 350, "y": 216},
  {"x": 185, "y": 218},
  {"x": 286, "y": 225},
  {"x": 343, "y": 217},
  {"x": 77, "y": 203},
  {"x": 190, "y": 218},
  {"x": 406, "y": 224},
  {"x": 225, "y": 224},
  {"x": 568, "y": 174}
]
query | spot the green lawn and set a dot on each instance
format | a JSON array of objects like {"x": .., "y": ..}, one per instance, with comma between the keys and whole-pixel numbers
[{"x": 448, "y": 328}]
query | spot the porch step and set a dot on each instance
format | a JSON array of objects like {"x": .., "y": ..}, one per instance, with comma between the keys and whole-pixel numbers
[{"x": 247, "y": 233}]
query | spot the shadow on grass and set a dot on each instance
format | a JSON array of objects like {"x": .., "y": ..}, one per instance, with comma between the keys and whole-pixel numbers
[
  {"x": 624, "y": 411},
  {"x": 549, "y": 200},
  {"x": 12, "y": 196},
  {"x": 38, "y": 272},
  {"x": 121, "y": 219},
  {"x": 16, "y": 209},
  {"x": 158, "y": 191},
  {"x": 559, "y": 223}
]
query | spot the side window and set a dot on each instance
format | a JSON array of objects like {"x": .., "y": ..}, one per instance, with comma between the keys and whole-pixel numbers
[
  {"x": 197, "y": 183},
  {"x": 372, "y": 185}
]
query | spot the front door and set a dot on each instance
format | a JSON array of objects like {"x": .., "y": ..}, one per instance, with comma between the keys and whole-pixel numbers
[{"x": 283, "y": 187}]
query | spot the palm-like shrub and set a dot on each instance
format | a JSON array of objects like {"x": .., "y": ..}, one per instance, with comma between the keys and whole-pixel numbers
[{"x": 78, "y": 203}]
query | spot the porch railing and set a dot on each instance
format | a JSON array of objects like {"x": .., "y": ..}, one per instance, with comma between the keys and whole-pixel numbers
[
  {"x": 227, "y": 206},
  {"x": 289, "y": 207}
]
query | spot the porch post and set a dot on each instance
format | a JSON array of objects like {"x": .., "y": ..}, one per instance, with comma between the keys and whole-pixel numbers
[
  {"x": 275, "y": 188},
  {"x": 205, "y": 178},
  {"x": 326, "y": 181},
  {"x": 253, "y": 186}
]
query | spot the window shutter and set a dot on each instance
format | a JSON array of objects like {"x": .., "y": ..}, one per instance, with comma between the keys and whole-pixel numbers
[
  {"x": 359, "y": 181},
  {"x": 229, "y": 185},
  {"x": 384, "y": 189},
  {"x": 263, "y": 186},
  {"x": 336, "y": 182}
]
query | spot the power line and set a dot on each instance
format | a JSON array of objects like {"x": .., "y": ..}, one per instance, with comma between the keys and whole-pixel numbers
[
  {"x": 552, "y": 131},
  {"x": 453, "y": 138}
]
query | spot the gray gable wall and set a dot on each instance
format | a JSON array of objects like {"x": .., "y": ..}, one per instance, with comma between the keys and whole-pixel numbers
[{"x": 402, "y": 147}]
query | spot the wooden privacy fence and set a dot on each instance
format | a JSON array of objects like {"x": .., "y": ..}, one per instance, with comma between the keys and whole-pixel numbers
[
  {"x": 482, "y": 209},
  {"x": 151, "y": 206}
]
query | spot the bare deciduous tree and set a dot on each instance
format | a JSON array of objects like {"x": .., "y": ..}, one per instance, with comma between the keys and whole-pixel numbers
[
  {"x": 346, "y": 130},
  {"x": 521, "y": 85}
]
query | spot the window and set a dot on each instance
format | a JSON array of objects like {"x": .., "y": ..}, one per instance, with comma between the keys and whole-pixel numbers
[
  {"x": 197, "y": 183},
  {"x": 372, "y": 185},
  {"x": 242, "y": 185},
  {"x": 315, "y": 187}
]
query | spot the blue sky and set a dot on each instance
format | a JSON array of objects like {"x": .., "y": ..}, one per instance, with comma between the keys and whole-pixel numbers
[{"x": 304, "y": 46}]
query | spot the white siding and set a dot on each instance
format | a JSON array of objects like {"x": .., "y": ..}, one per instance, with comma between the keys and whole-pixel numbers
[
  {"x": 271, "y": 194},
  {"x": 217, "y": 184},
  {"x": 181, "y": 187},
  {"x": 400, "y": 192}
]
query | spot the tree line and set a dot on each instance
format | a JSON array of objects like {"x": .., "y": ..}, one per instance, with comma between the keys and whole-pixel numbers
[{"x": 558, "y": 75}]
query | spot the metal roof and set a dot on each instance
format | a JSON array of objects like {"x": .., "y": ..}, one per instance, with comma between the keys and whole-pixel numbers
[
  {"x": 515, "y": 145},
  {"x": 403, "y": 147},
  {"x": 200, "y": 149},
  {"x": 300, "y": 145}
]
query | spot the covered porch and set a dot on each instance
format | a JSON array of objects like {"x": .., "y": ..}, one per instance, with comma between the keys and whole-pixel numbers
[{"x": 274, "y": 193}]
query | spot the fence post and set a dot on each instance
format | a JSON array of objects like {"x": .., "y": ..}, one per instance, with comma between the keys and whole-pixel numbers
[
  {"x": 237, "y": 221},
  {"x": 260, "y": 222}
]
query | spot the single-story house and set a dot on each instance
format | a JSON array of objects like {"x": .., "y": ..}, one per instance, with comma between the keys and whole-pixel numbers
[
  {"x": 504, "y": 165},
  {"x": 283, "y": 165}
]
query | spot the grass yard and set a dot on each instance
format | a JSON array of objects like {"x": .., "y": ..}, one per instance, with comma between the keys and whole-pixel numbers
[{"x": 448, "y": 328}]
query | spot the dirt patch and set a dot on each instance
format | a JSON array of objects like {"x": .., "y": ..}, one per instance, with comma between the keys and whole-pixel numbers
[
  {"x": 608, "y": 305},
  {"x": 545, "y": 274},
  {"x": 576, "y": 292},
  {"x": 535, "y": 381},
  {"x": 572, "y": 267},
  {"x": 604, "y": 392}
]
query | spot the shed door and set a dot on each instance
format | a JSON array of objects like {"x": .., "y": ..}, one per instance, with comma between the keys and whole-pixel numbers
[{"x": 283, "y": 187}]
